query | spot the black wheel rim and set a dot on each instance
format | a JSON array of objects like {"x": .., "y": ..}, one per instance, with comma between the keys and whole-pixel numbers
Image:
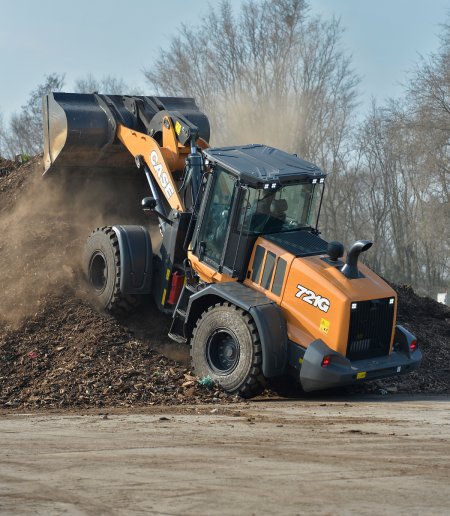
[
  {"x": 222, "y": 351},
  {"x": 98, "y": 271}
]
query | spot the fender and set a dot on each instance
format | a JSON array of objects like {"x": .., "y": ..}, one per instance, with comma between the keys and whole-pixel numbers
[
  {"x": 267, "y": 315},
  {"x": 136, "y": 259},
  {"x": 403, "y": 339}
]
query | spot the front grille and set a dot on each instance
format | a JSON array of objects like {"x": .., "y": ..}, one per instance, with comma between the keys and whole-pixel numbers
[{"x": 370, "y": 328}]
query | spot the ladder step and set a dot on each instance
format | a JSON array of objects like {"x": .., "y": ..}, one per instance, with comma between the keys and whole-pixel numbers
[
  {"x": 177, "y": 338},
  {"x": 181, "y": 312}
]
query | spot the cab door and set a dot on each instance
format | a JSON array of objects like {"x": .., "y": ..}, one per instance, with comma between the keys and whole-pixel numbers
[{"x": 213, "y": 226}]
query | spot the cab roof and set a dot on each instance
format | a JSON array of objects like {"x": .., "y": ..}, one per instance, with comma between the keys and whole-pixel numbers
[{"x": 258, "y": 164}]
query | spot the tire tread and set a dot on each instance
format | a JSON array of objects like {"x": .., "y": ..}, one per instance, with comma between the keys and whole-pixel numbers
[
  {"x": 255, "y": 382},
  {"x": 119, "y": 304}
]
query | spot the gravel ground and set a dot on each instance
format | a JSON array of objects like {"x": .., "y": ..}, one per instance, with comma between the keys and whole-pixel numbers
[{"x": 279, "y": 457}]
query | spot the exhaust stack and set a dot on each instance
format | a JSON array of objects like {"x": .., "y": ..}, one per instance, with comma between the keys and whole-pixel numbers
[{"x": 350, "y": 269}]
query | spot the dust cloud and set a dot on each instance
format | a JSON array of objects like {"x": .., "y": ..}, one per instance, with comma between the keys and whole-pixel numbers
[
  {"x": 44, "y": 224},
  {"x": 240, "y": 122}
]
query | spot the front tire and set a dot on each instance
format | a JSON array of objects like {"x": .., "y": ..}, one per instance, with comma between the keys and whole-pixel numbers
[
  {"x": 225, "y": 346},
  {"x": 101, "y": 265}
]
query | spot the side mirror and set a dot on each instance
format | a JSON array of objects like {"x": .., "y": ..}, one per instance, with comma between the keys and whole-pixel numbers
[{"x": 148, "y": 203}]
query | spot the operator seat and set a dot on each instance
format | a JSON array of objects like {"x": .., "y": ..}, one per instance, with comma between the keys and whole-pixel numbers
[
  {"x": 277, "y": 218},
  {"x": 278, "y": 209},
  {"x": 270, "y": 215}
]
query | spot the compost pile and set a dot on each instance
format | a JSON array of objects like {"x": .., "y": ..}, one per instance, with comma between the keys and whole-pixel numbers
[
  {"x": 429, "y": 321},
  {"x": 58, "y": 351},
  {"x": 6, "y": 166},
  {"x": 69, "y": 355}
]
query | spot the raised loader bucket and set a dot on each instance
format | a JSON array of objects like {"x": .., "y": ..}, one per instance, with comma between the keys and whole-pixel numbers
[{"x": 80, "y": 129}]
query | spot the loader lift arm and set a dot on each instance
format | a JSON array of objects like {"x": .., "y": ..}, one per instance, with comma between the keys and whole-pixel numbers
[
  {"x": 156, "y": 159},
  {"x": 176, "y": 150}
]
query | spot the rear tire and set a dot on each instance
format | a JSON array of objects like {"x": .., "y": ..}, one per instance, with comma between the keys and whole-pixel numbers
[
  {"x": 225, "y": 346},
  {"x": 101, "y": 265}
]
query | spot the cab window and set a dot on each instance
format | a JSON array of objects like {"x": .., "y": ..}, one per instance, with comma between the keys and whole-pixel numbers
[
  {"x": 283, "y": 208},
  {"x": 214, "y": 228}
]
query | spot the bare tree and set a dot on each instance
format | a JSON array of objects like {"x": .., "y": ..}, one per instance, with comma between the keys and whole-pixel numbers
[
  {"x": 270, "y": 74},
  {"x": 25, "y": 134},
  {"x": 426, "y": 124},
  {"x": 402, "y": 198},
  {"x": 3, "y": 150},
  {"x": 429, "y": 105},
  {"x": 394, "y": 189},
  {"x": 107, "y": 84},
  {"x": 274, "y": 74}
]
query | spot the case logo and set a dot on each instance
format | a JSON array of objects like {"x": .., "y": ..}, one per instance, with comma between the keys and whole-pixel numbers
[
  {"x": 310, "y": 297},
  {"x": 162, "y": 174}
]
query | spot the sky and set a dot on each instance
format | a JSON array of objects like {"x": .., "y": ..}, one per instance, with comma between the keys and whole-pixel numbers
[{"x": 111, "y": 37}]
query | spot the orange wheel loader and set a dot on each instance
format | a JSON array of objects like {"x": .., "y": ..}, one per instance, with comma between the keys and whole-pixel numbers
[{"x": 251, "y": 286}]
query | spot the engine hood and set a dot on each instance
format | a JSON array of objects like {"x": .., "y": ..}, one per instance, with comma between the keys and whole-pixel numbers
[{"x": 318, "y": 299}]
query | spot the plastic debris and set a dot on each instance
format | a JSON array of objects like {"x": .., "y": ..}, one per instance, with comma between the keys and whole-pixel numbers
[{"x": 206, "y": 381}]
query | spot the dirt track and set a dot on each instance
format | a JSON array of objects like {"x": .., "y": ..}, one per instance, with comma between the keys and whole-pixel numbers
[{"x": 279, "y": 457}]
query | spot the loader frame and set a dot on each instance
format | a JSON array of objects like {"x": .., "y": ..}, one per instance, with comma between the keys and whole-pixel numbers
[{"x": 211, "y": 262}]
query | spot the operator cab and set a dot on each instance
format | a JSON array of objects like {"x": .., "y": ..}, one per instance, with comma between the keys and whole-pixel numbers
[{"x": 254, "y": 190}]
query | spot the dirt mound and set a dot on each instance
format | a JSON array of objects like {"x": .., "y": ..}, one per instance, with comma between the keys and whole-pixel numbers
[
  {"x": 68, "y": 355},
  {"x": 13, "y": 177},
  {"x": 38, "y": 245},
  {"x": 55, "y": 349},
  {"x": 6, "y": 166},
  {"x": 58, "y": 351},
  {"x": 429, "y": 321}
]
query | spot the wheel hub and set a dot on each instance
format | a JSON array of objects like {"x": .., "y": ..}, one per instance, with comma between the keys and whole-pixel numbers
[
  {"x": 222, "y": 352},
  {"x": 98, "y": 271}
]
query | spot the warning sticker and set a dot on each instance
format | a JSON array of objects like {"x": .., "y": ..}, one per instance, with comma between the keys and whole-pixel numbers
[{"x": 324, "y": 325}]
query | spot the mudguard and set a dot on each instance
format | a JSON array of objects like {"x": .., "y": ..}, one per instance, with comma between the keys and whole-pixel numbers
[
  {"x": 267, "y": 315},
  {"x": 136, "y": 259}
]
